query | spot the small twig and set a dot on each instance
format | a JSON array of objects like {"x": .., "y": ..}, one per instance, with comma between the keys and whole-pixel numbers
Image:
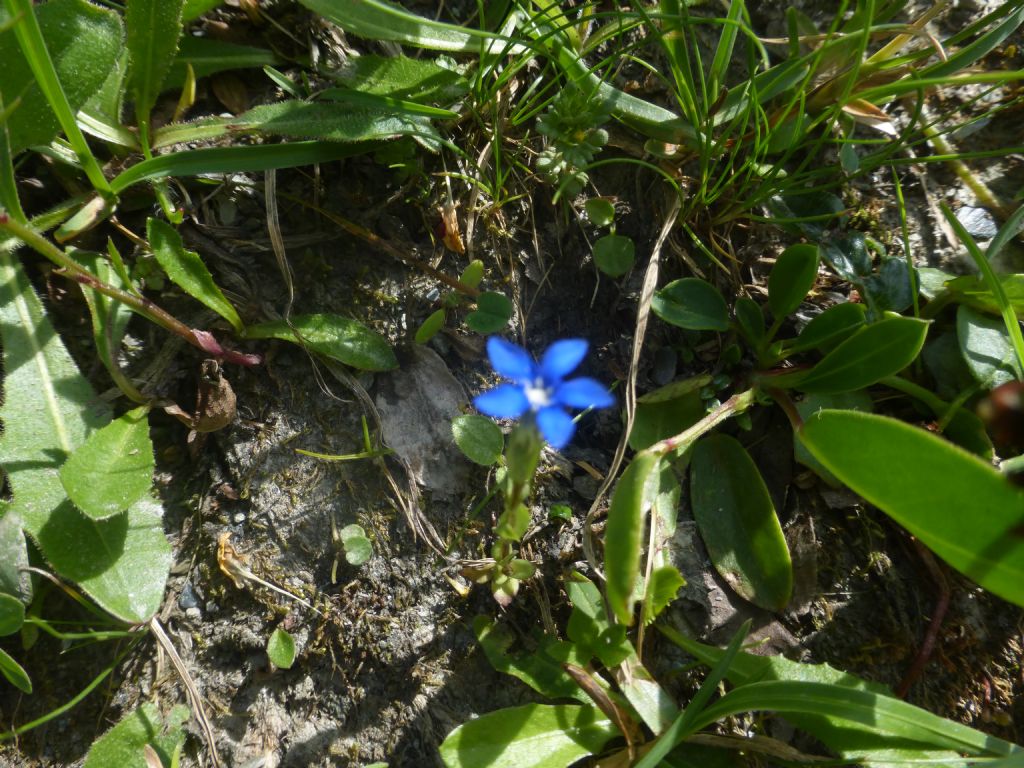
[
  {"x": 190, "y": 687},
  {"x": 931, "y": 634}
]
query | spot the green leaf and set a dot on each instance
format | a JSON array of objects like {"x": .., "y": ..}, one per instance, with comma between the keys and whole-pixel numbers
[
  {"x": 430, "y": 327},
  {"x": 281, "y": 649},
  {"x": 358, "y": 548},
  {"x": 540, "y": 669},
  {"x": 84, "y": 42},
  {"x": 986, "y": 347},
  {"x": 421, "y": 80},
  {"x": 879, "y": 350},
  {"x": 858, "y": 400},
  {"x": 14, "y": 673},
  {"x": 188, "y": 271},
  {"x": 589, "y": 627},
  {"x": 833, "y": 325},
  {"x": 661, "y": 589},
  {"x": 479, "y": 438},
  {"x": 792, "y": 278},
  {"x": 123, "y": 744},
  {"x": 492, "y": 313},
  {"x": 614, "y": 255},
  {"x": 738, "y": 523},
  {"x": 121, "y": 562},
  {"x": 900, "y": 721},
  {"x": 12, "y": 614},
  {"x": 750, "y": 319},
  {"x": 530, "y": 736},
  {"x": 113, "y": 468},
  {"x": 306, "y": 120},
  {"x": 692, "y": 303},
  {"x": 600, "y": 211},
  {"x": 956, "y": 504},
  {"x": 472, "y": 274},
  {"x": 154, "y": 27},
  {"x": 13, "y": 556},
  {"x": 624, "y": 535},
  {"x": 336, "y": 337},
  {"x": 975, "y": 292},
  {"x": 193, "y": 9}
]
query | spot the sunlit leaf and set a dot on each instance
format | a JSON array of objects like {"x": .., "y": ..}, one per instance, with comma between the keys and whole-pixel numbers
[{"x": 339, "y": 338}]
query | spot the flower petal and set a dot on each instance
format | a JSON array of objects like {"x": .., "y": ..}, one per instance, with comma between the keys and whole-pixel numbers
[
  {"x": 583, "y": 393},
  {"x": 556, "y": 425},
  {"x": 506, "y": 401},
  {"x": 509, "y": 360},
  {"x": 561, "y": 359}
]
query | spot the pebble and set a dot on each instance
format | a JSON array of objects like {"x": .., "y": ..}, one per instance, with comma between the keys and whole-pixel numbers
[
  {"x": 239, "y": 517},
  {"x": 978, "y": 222}
]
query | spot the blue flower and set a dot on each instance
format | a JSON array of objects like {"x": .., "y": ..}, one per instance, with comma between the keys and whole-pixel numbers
[{"x": 540, "y": 389}]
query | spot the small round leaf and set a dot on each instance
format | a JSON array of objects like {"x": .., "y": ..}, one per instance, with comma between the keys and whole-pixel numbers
[
  {"x": 281, "y": 649},
  {"x": 479, "y": 438},
  {"x": 600, "y": 211},
  {"x": 492, "y": 313},
  {"x": 614, "y": 255}
]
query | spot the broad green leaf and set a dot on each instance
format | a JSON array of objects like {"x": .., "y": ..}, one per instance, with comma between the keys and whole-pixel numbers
[
  {"x": 614, "y": 254},
  {"x": 339, "y": 338},
  {"x": 851, "y": 740},
  {"x": 986, "y": 347},
  {"x": 12, "y": 614},
  {"x": 833, "y": 325},
  {"x": 623, "y": 538},
  {"x": 123, "y": 745},
  {"x": 541, "y": 669},
  {"x": 358, "y": 548},
  {"x": 879, "y": 350},
  {"x": 84, "y": 42},
  {"x": 113, "y": 468},
  {"x": 14, "y": 672},
  {"x": 848, "y": 255},
  {"x": 281, "y": 649},
  {"x": 692, "y": 303},
  {"x": 13, "y": 557},
  {"x": 530, "y": 736},
  {"x": 589, "y": 628},
  {"x": 858, "y": 400},
  {"x": 479, "y": 438},
  {"x": 154, "y": 27},
  {"x": 737, "y": 521},
  {"x": 402, "y": 77},
  {"x": 48, "y": 408},
  {"x": 492, "y": 313},
  {"x": 121, "y": 562},
  {"x": 193, "y": 9},
  {"x": 956, "y": 504},
  {"x": 188, "y": 271},
  {"x": 888, "y": 288},
  {"x": 792, "y": 278},
  {"x": 900, "y": 721},
  {"x": 305, "y": 120},
  {"x": 472, "y": 274}
]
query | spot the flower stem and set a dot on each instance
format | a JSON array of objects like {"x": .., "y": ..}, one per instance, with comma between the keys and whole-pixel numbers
[{"x": 734, "y": 406}]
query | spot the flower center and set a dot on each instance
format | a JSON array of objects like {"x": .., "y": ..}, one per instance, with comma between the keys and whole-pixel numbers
[{"x": 537, "y": 394}]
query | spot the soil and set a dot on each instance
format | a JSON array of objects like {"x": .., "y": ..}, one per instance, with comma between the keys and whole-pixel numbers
[{"x": 388, "y": 664}]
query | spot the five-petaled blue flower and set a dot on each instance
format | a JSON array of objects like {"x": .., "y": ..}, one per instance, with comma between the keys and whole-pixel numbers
[{"x": 540, "y": 389}]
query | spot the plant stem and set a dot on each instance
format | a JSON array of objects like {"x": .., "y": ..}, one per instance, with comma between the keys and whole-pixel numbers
[
  {"x": 71, "y": 270},
  {"x": 734, "y": 406}
]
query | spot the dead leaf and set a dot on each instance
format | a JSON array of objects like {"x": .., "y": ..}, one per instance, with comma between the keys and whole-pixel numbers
[{"x": 866, "y": 113}]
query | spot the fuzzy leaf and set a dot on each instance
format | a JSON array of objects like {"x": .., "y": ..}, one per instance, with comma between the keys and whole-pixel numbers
[
  {"x": 84, "y": 42},
  {"x": 123, "y": 744},
  {"x": 530, "y": 736},
  {"x": 188, "y": 271},
  {"x": 154, "y": 27},
  {"x": 113, "y": 468}
]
